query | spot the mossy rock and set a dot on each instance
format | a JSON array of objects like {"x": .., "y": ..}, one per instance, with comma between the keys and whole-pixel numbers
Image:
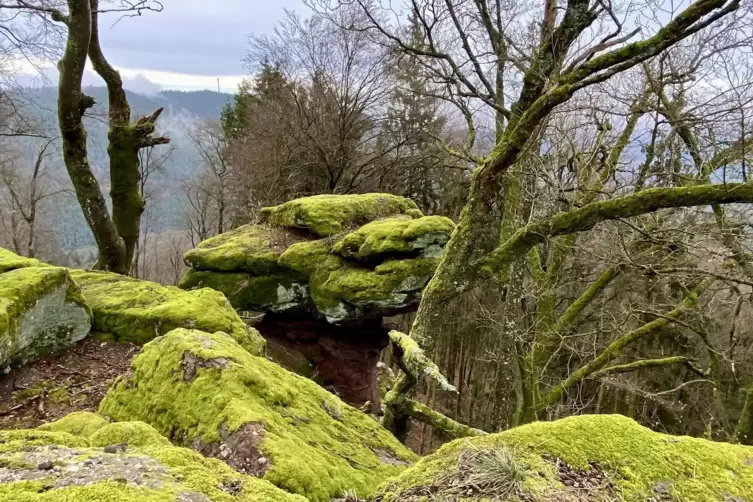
[
  {"x": 399, "y": 235},
  {"x": 354, "y": 291},
  {"x": 204, "y": 391},
  {"x": 54, "y": 465},
  {"x": 325, "y": 215},
  {"x": 137, "y": 311},
  {"x": 276, "y": 293},
  {"x": 41, "y": 312},
  {"x": 307, "y": 257},
  {"x": 251, "y": 248},
  {"x": 11, "y": 261},
  {"x": 626, "y": 461}
]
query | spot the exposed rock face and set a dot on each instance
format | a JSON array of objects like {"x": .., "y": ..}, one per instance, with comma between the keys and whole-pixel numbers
[
  {"x": 342, "y": 358},
  {"x": 137, "y": 311},
  {"x": 319, "y": 262},
  {"x": 83, "y": 458},
  {"x": 41, "y": 312},
  {"x": 203, "y": 390},
  {"x": 591, "y": 458}
]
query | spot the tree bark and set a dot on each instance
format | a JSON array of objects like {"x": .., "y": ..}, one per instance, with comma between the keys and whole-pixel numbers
[{"x": 72, "y": 104}]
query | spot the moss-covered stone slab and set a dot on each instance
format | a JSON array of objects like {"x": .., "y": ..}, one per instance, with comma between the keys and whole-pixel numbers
[
  {"x": 11, "y": 261},
  {"x": 625, "y": 461},
  {"x": 326, "y": 215},
  {"x": 274, "y": 293},
  {"x": 250, "y": 248},
  {"x": 137, "y": 311},
  {"x": 354, "y": 291},
  {"x": 306, "y": 257},
  {"x": 203, "y": 390},
  {"x": 69, "y": 461},
  {"x": 399, "y": 235},
  {"x": 41, "y": 312}
]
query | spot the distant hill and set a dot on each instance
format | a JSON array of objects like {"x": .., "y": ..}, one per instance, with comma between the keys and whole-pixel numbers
[
  {"x": 182, "y": 109},
  {"x": 200, "y": 104}
]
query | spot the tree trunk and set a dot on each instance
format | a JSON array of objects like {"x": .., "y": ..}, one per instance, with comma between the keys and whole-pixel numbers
[{"x": 72, "y": 104}]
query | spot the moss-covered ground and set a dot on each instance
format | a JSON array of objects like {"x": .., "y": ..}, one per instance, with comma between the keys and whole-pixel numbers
[
  {"x": 640, "y": 464},
  {"x": 149, "y": 470},
  {"x": 192, "y": 386}
]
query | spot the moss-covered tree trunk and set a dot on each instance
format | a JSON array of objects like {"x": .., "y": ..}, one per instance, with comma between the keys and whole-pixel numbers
[
  {"x": 125, "y": 142},
  {"x": 116, "y": 236},
  {"x": 744, "y": 431},
  {"x": 72, "y": 103}
]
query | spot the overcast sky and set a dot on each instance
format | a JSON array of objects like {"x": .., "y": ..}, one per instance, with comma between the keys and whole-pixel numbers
[{"x": 189, "y": 44}]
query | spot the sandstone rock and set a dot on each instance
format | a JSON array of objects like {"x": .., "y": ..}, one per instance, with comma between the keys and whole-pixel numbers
[
  {"x": 591, "y": 457},
  {"x": 325, "y": 215},
  {"x": 202, "y": 390},
  {"x": 41, "y": 312},
  {"x": 250, "y": 248},
  {"x": 399, "y": 235},
  {"x": 137, "y": 311},
  {"x": 278, "y": 292},
  {"x": 66, "y": 462}
]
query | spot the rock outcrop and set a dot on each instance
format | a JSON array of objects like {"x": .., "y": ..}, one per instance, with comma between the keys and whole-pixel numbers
[
  {"x": 41, "y": 311},
  {"x": 204, "y": 391},
  {"x": 584, "y": 458},
  {"x": 331, "y": 266},
  {"x": 136, "y": 311},
  {"x": 83, "y": 458},
  {"x": 338, "y": 257}
]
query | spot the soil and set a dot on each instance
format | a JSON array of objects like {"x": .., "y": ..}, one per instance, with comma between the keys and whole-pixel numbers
[{"x": 73, "y": 380}]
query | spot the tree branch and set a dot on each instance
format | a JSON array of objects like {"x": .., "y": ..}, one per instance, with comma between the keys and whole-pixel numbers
[
  {"x": 643, "y": 363},
  {"x": 614, "y": 349},
  {"x": 587, "y": 217}
]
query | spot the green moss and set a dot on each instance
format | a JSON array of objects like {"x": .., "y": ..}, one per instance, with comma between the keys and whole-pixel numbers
[
  {"x": 250, "y": 248},
  {"x": 175, "y": 472},
  {"x": 391, "y": 284},
  {"x": 133, "y": 433},
  {"x": 326, "y": 215},
  {"x": 137, "y": 311},
  {"x": 100, "y": 432},
  {"x": 307, "y": 257},
  {"x": 635, "y": 458},
  {"x": 11, "y": 261},
  {"x": 396, "y": 235},
  {"x": 277, "y": 292},
  {"x": 310, "y": 451},
  {"x": 80, "y": 423},
  {"x": 41, "y": 312}
]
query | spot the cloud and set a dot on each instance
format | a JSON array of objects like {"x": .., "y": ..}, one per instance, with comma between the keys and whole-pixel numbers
[{"x": 192, "y": 37}]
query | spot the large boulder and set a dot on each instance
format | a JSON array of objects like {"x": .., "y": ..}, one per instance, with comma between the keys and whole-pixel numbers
[
  {"x": 136, "y": 311},
  {"x": 340, "y": 258},
  {"x": 592, "y": 458},
  {"x": 204, "y": 391},
  {"x": 41, "y": 312},
  {"x": 83, "y": 458}
]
